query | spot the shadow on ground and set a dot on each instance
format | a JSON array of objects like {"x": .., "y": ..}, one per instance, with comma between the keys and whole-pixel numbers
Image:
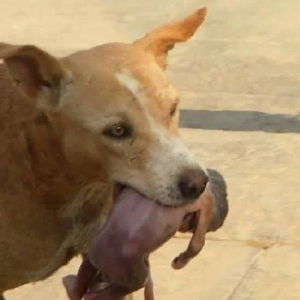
[{"x": 239, "y": 121}]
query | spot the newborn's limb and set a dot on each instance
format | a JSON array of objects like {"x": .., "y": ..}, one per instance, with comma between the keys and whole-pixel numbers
[
  {"x": 148, "y": 290},
  {"x": 197, "y": 241},
  {"x": 210, "y": 217},
  {"x": 76, "y": 286}
]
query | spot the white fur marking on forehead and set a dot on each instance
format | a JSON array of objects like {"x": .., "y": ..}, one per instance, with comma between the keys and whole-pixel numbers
[
  {"x": 162, "y": 90},
  {"x": 126, "y": 78}
]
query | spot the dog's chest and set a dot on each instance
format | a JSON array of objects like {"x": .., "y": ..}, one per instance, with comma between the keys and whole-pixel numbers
[
  {"x": 76, "y": 242},
  {"x": 81, "y": 219}
]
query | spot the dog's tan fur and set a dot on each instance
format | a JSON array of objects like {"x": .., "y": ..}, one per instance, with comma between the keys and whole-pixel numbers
[{"x": 57, "y": 168}]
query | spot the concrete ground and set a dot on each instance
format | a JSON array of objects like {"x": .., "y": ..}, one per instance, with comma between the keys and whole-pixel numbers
[{"x": 239, "y": 84}]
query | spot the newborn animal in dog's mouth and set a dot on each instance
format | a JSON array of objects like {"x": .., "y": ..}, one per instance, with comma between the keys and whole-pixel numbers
[{"x": 135, "y": 228}]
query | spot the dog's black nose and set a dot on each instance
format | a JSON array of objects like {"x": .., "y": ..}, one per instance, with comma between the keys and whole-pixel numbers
[{"x": 192, "y": 183}]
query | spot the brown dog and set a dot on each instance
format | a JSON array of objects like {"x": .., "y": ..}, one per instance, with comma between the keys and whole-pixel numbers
[{"x": 75, "y": 129}]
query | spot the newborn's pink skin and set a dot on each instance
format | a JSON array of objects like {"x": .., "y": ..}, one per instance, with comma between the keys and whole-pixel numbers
[
  {"x": 76, "y": 286},
  {"x": 100, "y": 291},
  {"x": 135, "y": 228},
  {"x": 148, "y": 290}
]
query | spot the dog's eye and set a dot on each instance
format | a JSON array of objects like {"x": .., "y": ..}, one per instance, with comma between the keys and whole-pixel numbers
[{"x": 118, "y": 131}]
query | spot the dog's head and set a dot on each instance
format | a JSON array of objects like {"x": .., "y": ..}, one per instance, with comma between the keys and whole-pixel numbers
[{"x": 114, "y": 110}]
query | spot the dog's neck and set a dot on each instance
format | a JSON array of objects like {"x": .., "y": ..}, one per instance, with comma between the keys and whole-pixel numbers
[
  {"x": 64, "y": 178},
  {"x": 51, "y": 177}
]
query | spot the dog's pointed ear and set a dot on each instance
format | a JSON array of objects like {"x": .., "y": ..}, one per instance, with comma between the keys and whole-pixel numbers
[
  {"x": 37, "y": 75},
  {"x": 159, "y": 41}
]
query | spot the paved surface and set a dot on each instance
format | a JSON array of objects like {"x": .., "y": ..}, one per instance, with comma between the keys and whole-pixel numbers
[{"x": 239, "y": 82}]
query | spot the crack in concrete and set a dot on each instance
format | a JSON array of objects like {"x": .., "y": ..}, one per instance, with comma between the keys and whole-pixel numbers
[{"x": 243, "y": 277}]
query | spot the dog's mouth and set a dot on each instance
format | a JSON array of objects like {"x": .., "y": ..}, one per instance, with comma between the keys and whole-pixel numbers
[
  {"x": 117, "y": 262},
  {"x": 119, "y": 187}
]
